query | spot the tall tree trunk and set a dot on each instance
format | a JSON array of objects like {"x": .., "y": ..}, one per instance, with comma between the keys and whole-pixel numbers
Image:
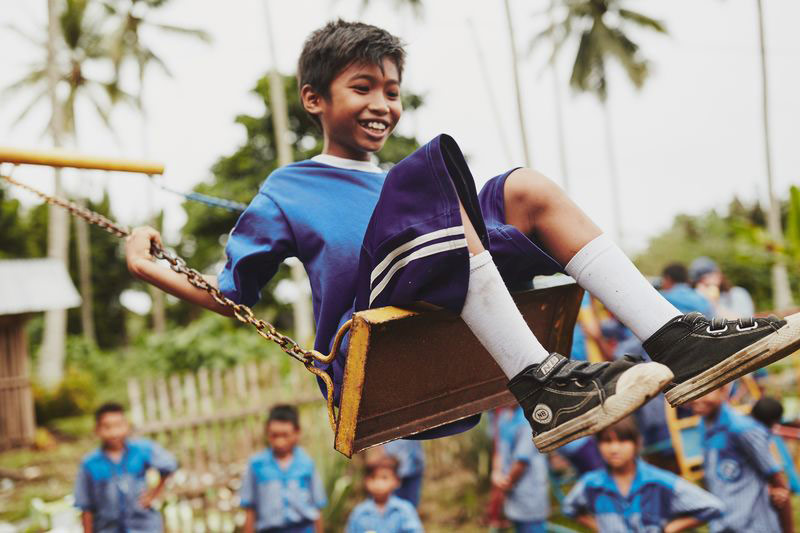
[
  {"x": 562, "y": 142},
  {"x": 781, "y": 290},
  {"x": 51, "y": 358},
  {"x": 301, "y": 307},
  {"x": 84, "y": 249},
  {"x": 613, "y": 173},
  {"x": 517, "y": 91}
]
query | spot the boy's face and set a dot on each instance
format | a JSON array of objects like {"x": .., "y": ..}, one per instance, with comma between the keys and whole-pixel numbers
[
  {"x": 615, "y": 452},
  {"x": 381, "y": 484},
  {"x": 361, "y": 111},
  {"x": 282, "y": 436},
  {"x": 708, "y": 405},
  {"x": 112, "y": 429}
]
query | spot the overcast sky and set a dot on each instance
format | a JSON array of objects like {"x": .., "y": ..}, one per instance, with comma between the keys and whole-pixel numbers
[{"x": 689, "y": 140}]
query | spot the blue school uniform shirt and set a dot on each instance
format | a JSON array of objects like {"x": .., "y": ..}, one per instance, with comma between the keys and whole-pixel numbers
[
  {"x": 655, "y": 498},
  {"x": 111, "y": 490},
  {"x": 410, "y": 457},
  {"x": 686, "y": 299},
  {"x": 398, "y": 516},
  {"x": 737, "y": 462},
  {"x": 282, "y": 497},
  {"x": 529, "y": 498},
  {"x": 318, "y": 213}
]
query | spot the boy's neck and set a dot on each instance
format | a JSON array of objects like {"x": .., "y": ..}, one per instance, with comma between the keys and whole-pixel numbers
[
  {"x": 623, "y": 476},
  {"x": 338, "y": 150},
  {"x": 284, "y": 458},
  {"x": 114, "y": 453},
  {"x": 713, "y": 415},
  {"x": 381, "y": 504}
]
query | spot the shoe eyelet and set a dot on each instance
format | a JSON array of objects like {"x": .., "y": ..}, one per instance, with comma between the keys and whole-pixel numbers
[
  {"x": 713, "y": 331},
  {"x": 748, "y": 328}
]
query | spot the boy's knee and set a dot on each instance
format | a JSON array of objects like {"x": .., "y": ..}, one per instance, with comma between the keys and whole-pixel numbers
[{"x": 531, "y": 190}]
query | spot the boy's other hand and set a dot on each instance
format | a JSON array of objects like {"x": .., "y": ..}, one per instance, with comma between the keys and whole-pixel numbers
[
  {"x": 779, "y": 496},
  {"x": 137, "y": 247},
  {"x": 147, "y": 497},
  {"x": 501, "y": 481}
]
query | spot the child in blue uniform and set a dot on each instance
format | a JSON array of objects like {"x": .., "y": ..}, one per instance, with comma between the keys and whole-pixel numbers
[
  {"x": 631, "y": 496},
  {"x": 740, "y": 470},
  {"x": 410, "y": 468},
  {"x": 281, "y": 489},
  {"x": 383, "y": 512},
  {"x": 422, "y": 233},
  {"x": 522, "y": 475},
  {"x": 111, "y": 487}
]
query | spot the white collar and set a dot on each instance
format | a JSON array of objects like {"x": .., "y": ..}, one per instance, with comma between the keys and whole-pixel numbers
[{"x": 349, "y": 164}]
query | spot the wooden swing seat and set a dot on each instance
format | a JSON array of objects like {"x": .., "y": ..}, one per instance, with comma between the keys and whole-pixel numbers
[{"x": 408, "y": 372}]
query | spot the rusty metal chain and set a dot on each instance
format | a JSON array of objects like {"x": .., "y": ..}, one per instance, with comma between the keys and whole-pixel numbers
[{"x": 242, "y": 312}]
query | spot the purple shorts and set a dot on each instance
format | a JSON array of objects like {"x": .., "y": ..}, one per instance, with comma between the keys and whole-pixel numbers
[{"x": 414, "y": 249}]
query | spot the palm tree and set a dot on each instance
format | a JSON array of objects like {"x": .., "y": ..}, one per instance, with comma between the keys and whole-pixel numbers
[
  {"x": 126, "y": 44},
  {"x": 599, "y": 27},
  {"x": 76, "y": 43},
  {"x": 781, "y": 290}
]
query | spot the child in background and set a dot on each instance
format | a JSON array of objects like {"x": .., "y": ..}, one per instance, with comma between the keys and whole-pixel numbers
[
  {"x": 740, "y": 470},
  {"x": 632, "y": 496},
  {"x": 383, "y": 512},
  {"x": 411, "y": 467},
  {"x": 281, "y": 490},
  {"x": 521, "y": 475},
  {"x": 769, "y": 412},
  {"x": 111, "y": 487}
]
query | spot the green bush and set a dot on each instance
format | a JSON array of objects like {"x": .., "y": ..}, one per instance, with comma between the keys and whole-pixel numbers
[{"x": 76, "y": 395}]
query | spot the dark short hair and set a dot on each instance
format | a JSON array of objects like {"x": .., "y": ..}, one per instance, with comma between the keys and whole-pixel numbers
[
  {"x": 284, "y": 413},
  {"x": 677, "y": 272},
  {"x": 625, "y": 429},
  {"x": 108, "y": 407},
  {"x": 339, "y": 44},
  {"x": 379, "y": 461},
  {"x": 768, "y": 411}
]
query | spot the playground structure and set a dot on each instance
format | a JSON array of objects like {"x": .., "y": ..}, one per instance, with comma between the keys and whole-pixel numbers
[{"x": 387, "y": 345}]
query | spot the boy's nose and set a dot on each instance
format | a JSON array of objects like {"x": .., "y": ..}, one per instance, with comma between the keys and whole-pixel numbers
[{"x": 379, "y": 105}]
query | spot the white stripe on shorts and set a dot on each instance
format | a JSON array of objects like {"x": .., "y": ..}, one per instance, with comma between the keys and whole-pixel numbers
[
  {"x": 422, "y": 239},
  {"x": 425, "y": 251}
]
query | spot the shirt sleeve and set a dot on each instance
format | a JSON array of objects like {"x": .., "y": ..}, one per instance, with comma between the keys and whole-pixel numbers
[
  {"x": 247, "y": 494},
  {"x": 162, "y": 460},
  {"x": 411, "y": 521},
  {"x": 522, "y": 447},
  {"x": 754, "y": 444},
  {"x": 576, "y": 503},
  {"x": 690, "y": 500},
  {"x": 318, "y": 490},
  {"x": 83, "y": 493},
  {"x": 260, "y": 241}
]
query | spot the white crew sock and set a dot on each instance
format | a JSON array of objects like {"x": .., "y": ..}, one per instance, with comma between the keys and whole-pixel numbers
[
  {"x": 605, "y": 271},
  {"x": 493, "y": 317}
]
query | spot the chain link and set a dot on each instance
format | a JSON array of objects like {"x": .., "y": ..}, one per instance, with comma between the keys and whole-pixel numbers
[{"x": 242, "y": 312}]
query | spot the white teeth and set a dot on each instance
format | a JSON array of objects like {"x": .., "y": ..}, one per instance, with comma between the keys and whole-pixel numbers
[{"x": 376, "y": 125}]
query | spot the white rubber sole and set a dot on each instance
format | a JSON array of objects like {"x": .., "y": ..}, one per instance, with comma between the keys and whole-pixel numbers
[
  {"x": 635, "y": 386},
  {"x": 761, "y": 353}
]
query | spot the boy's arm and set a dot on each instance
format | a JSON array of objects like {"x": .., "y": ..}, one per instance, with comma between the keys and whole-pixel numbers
[
  {"x": 318, "y": 526},
  {"x": 780, "y": 496},
  {"x": 587, "y": 520},
  {"x": 682, "y": 524},
  {"x": 249, "y": 521},
  {"x": 516, "y": 472},
  {"x": 87, "y": 522},
  {"x": 142, "y": 265}
]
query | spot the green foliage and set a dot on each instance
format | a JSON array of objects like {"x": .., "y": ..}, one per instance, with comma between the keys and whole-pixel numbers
[
  {"x": 74, "y": 396},
  {"x": 23, "y": 233},
  {"x": 737, "y": 241},
  {"x": 793, "y": 225}
]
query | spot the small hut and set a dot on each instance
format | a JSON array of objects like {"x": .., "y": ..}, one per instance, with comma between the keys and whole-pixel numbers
[{"x": 26, "y": 286}]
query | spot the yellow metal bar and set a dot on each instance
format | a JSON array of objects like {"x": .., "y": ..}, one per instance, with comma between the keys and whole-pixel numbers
[{"x": 59, "y": 158}]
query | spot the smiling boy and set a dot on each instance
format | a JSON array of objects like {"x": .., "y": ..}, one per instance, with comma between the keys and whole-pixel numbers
[{"x": 422, "y": 233}]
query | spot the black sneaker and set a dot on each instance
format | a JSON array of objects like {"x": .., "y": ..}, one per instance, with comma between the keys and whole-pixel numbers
[
  {"x": 706, "y": 354},
  {"x": 564, "y": 400}
]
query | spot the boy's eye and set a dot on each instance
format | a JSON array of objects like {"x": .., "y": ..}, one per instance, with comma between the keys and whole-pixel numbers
[
  {"x": 393, "y": 94},
  {"x": 361, "y": 88}
]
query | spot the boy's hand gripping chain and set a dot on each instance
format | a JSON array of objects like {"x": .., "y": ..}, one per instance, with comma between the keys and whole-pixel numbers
[{"x": 240, "y": 311}]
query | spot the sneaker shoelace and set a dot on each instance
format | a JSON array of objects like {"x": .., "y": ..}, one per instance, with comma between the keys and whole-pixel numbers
[{"x": 718, "y": 325}]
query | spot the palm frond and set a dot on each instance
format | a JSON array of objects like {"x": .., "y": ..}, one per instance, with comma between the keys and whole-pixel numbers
[
  {"x": 189, "y": 32},
  {"x": 643, "y": 20},
  {"x": 37, "y": 100},
  {"x": 38, "y": 42}
]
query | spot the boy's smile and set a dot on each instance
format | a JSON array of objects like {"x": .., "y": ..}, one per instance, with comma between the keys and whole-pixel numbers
[{"x": 360, "y": 112}]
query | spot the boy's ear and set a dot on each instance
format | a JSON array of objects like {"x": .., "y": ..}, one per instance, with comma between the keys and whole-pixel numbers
[{"x": 311, "y": 99}]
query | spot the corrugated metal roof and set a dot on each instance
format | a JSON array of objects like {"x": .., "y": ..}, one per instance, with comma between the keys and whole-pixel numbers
[{"x": 31, "y": 285}]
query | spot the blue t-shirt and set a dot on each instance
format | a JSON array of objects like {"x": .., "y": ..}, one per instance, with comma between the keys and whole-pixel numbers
[
  {"x": 655, "y": 498},
  {"x": 737, "y": 463},
  {"x": 111, "y": 490},
  {"x": 282, "y": 497},
  {"x": 410, "y": 456},
  {"x": 529, "y": 498},
  {"x": 398, "y": 516},
  {"x": 318, "y": 213},
  {"x": 687, "y": 300}
]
